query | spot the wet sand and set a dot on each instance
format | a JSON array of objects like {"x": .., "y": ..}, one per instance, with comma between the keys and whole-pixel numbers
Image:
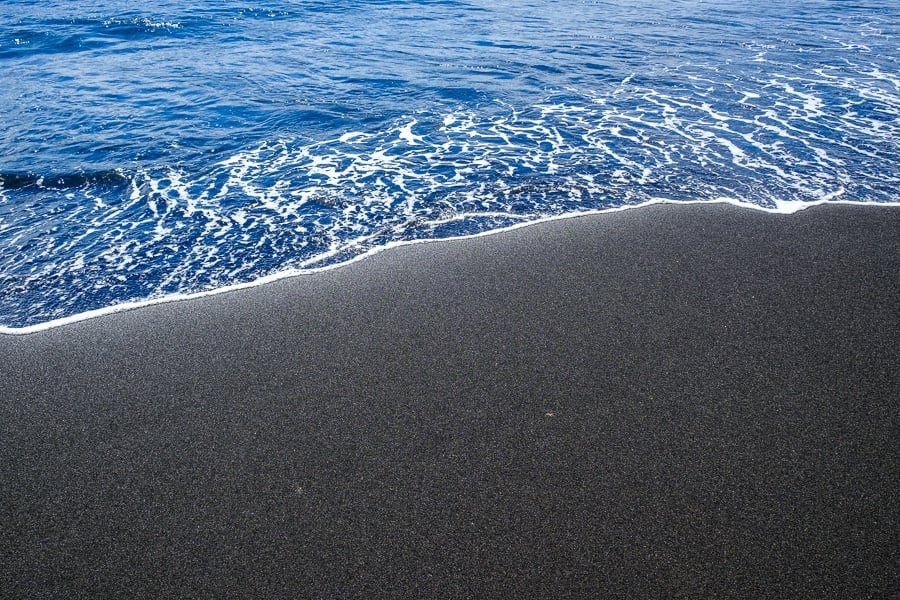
[{"x": 663, "y": 402}]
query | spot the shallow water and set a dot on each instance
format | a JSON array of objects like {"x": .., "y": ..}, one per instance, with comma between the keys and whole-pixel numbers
[{"x": 172, "y": 150}]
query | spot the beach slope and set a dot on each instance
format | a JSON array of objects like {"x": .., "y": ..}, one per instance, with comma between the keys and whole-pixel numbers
[{"x": 662, "y": 402}]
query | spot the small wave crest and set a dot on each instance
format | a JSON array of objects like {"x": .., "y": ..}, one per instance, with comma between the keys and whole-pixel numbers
[
  {"x": 59, "y": 36},
  {"x": 62, "y": 181}
]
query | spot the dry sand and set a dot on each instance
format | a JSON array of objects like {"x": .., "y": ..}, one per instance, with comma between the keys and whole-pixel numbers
[{"x": 670, "y": 401}]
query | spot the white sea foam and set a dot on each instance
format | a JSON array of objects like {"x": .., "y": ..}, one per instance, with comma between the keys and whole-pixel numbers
[
  {"x": 145, "y": 22},
  {"x": 406, "y": 134}
]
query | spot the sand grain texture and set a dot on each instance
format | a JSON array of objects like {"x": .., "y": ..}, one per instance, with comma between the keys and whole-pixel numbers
[{"x": 665, "y": 402}]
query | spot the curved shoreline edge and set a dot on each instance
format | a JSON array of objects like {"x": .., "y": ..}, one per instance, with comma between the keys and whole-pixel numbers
[{"x": 784, "y": 208}]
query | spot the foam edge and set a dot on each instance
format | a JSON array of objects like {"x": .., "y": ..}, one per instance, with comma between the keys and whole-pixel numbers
[{"x": 782, "y": 208}]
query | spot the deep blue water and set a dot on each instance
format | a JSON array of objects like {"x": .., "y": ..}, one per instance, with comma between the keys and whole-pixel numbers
[{"x": 190, "y": 146}]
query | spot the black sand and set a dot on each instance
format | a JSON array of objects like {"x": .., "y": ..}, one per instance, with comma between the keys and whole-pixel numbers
[{"x": 672, "y": 401}]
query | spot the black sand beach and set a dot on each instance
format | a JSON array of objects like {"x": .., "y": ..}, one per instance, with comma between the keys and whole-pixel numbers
[{"x": 666, "y": 402}]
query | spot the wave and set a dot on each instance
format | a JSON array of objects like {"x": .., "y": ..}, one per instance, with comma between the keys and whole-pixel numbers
[
  {"x": 61, "y": 36},
  {"x": 325, "y": 131},
  {"x": 62, "y": 181}
]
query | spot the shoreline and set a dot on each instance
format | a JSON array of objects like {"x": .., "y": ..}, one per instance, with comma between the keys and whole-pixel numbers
[
  {"x": 678, "y": 401},
  {"x": 786, "y": 208}
]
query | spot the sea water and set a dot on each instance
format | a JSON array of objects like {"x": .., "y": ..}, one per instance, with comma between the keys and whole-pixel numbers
[{"x": 156, "y": 150}]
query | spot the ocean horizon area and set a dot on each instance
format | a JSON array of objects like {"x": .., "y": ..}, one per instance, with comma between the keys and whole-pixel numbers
[{"x": 449, "y": 299}]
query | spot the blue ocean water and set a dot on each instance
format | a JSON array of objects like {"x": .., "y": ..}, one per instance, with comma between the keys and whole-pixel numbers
[{"x": 151, "y": 149}]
